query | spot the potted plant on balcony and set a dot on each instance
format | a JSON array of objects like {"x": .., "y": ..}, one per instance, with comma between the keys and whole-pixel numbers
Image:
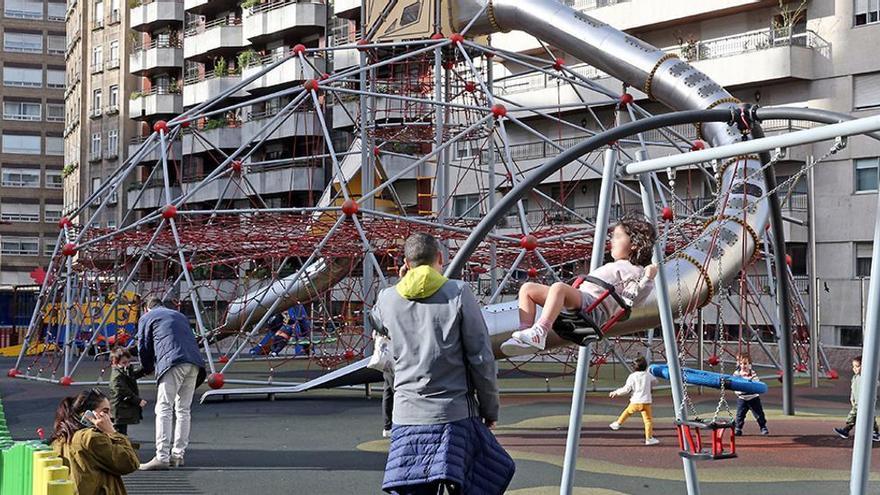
[
  {"x": 247, "y": 4},
  {"x": 247, "y": 58},
  {"x": 688, "y": 44},
  {"x": 220, "y": 67}
]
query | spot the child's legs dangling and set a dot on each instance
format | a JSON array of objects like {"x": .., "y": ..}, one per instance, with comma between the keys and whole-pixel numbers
[
  {"x": 530, "y": 295},
  {"x": 648, "y": 418},
  {"x": 559, "y": 296}
]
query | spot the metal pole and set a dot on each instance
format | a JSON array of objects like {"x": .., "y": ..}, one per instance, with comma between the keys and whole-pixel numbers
[
  {"x": 578, "y": 396},
  {"x": 366, "y": 183},
  {"x": 861, "y": 460},
  {"x": 668, "y": 324},
  {"x": 814, "y": 277},
  {"x": 701, "y": 339},
  {"x": 490, "y": 166},
  {"x": 783, "y": 296}
]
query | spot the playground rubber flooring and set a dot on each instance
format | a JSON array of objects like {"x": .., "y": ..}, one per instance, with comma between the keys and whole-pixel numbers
[{"x": 328, "y": 442}]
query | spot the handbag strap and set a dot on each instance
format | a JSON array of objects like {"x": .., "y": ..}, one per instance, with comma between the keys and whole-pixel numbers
[{"x": 467, "y": 375}]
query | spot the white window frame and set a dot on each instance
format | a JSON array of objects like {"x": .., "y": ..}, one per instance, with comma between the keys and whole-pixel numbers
[
  {"x": 863, "y": 164},
  {"x": 14, "y": 246},
  {"x": 15, "y": 177}
]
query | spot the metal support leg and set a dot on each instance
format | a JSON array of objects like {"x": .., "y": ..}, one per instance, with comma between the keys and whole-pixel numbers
[
  {"x": 861, "y": 459},
  {"x": 666, "y": 321},
  {"x": 583, "y": 366}
]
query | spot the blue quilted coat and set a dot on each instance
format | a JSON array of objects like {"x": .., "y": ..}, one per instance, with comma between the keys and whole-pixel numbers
[{"x": 457, "y": 452}]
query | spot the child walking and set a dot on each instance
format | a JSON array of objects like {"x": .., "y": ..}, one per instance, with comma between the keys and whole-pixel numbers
[
  {"x": 126, "y": 405},
  {"x": 631, "y": 274},
  {"x": 638, "y": 384},
  {"x": 746, "y": 402},
  {"x": 855, "y": 384}
]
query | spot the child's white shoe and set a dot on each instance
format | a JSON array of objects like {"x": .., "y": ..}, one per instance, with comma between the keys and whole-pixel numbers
[
  {"x": 534, "y": 336},
  {"x": 614, "y": 426},
  {"x": 651, "y": 441},
  {"x": 513, "y": 348}
]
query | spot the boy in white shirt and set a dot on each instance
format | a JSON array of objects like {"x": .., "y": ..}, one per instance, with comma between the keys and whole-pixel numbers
[{"x": 638, "y": 384}]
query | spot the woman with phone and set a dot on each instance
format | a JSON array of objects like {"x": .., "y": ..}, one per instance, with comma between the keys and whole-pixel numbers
[{"x": 97, "y": 455}]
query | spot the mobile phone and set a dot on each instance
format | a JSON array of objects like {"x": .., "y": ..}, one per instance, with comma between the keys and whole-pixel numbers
[{"x": 88, "y": 418}]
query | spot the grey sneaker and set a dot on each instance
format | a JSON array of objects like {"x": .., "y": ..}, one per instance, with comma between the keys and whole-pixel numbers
[
  {"x": 176, "y": 462},
  {"x": 154, "y": 464}
]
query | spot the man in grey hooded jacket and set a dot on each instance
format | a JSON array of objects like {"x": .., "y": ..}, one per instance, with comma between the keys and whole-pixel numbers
[{"x": 441, "y": 347}]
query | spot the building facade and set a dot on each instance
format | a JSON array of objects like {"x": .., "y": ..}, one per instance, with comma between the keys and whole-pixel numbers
[{"x": 31, "y": 155}]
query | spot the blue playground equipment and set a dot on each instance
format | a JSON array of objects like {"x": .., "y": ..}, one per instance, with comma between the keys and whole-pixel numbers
[{"x": 710, "y": 379}]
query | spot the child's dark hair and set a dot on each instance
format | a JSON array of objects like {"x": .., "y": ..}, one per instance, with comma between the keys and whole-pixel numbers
[
  {"x": 118, "y": 354},
  {"x": 640, "y": 363},
  {"x": 746, "y": 357},
  {"x": 858, "y": 359},
  {"x": 71, "y": 409},
  {"x": 642, "y": 235}
]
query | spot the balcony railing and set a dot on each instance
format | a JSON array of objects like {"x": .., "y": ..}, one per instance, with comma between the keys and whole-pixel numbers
[
  {"x": 158, "y": 43},
  {"x": 94, "y": 156},
  {"x": 21, "y": 116},
  {"x": 201, "y": 27},
  {"x": 754, "y": 41},
  {"x": 111, "y": 109},
  {"x": 12, "y": 46},
  {"x": 114, "y": 17},
  {"x": 273, "y": 5},
  {"x": 20, "y": 217},
  {"x": 54, "y": 118},
  {"x": 22, "y": 14},
  {"x": 23, "y": 84},
  {"x": 112, "y": 63},
  {"x": 97, "y": 67},
  {"x": 701, "y": 50}
]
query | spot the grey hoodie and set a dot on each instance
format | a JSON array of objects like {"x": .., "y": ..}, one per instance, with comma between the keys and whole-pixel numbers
[{"x": 430, "y": 337}]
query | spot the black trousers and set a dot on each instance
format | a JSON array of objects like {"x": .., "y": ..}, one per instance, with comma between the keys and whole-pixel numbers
[
  {"x": 388, "y": 400},
  {"x": 744, "y": 406},
  {"x": 122, "y": 429}
]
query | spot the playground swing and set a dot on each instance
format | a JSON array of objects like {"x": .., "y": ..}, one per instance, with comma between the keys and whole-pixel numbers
[{"x": 579, "y": 327}]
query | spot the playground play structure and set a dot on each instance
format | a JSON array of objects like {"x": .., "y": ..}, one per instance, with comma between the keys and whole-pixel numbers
[{"x": 430, "y": 118}]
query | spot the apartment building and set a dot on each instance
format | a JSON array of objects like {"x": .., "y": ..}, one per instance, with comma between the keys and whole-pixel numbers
[
  {"x": 97, "y": 101},
  {"x": 31, "y": 152}
]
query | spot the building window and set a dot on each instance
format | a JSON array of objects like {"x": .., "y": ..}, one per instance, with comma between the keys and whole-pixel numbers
[
  {"x": 866, "y": 90},
  {"x": 97, "y": 58},
  {"x": 96, "y": 184},
  {"x": 112, "y": 142},
  {"x": 866, "y": 12},
  {"x": 57, "y": 11},
  {"x": 111, "y": 224},
  {"x": 113, "y": 96},
  {"x": 22, "y": 76},
  {"x": 17, "y": 177},
  {"x": 96, "y": 102},
  {"x": 114, "y": 11},
  {"x": 54, "y": 180},
  {"x": 851, "y": 336},
  {"x": 20, "y": 246},
  {"x": 56, "y": 44},
  {"x": 17, "y": 212},
  {"x": 55, "y": 78},
  {"x": 23, "y": 9},
  {"x": 113, "y": 57},
  {"x": 55, "y": 112},
  {"x": 98, "y": 19},
  {"x": 55, "y": 145},
  {"x": 23, "y": 144},
  {"x": 867, "y": 175},
  {"x": 466, "y": 206},
  {"x": 48, "y": 247},
  {"x": 52, "y": 213},
  {"x": 95, "y": 149},
  {"x": 798, "y": 253},
  {"x": 22, "y": 110},
  {"x": 863, "y": 259},
  {"x": 22, "y": 42}
]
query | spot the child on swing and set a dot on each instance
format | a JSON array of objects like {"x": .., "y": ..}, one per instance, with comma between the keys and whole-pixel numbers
[{"x": 631, "y": 273}]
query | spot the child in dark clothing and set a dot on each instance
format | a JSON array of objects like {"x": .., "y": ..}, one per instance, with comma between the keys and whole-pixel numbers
[
  {"x": 855, "y": 385},
  {"x": 746, "y": 402},
  {"x": 126, "y": 405}
]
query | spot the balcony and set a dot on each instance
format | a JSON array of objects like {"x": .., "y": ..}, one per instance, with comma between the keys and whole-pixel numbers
[
  {"x": 298, "y": 124},
  {"x": 154, "y": 153},
  {"x": 111, "y": 109},
  {"x": 288, "y": 72},
  {"x": 112, "y": 63},
  {"x": 215, "y": 133},
  {"x": 196, "y": 90},
  {"x": 152, "y": 14},
  {"x": 218, "y": 34},
  {"x": 343, "y": 59},
  {"x": 347, "y": 9},
  {"x": 758, "y": 56},
  {"x": 155, "y": 56},
  {"x": 285, "y": 18},
  {"x": 203, "y": 7},
  {"x": 159, "y": 101}
]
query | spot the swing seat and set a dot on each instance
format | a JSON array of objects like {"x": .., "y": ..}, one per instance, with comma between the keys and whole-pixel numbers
[
  {"x": 690, "y": 439},
  {"x": 577, "y": 327}
]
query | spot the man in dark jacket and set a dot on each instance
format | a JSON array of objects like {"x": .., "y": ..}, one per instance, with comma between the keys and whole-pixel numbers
[
  {"x": 444, "y": 377},
  {"x": 167, "y": 346}
]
